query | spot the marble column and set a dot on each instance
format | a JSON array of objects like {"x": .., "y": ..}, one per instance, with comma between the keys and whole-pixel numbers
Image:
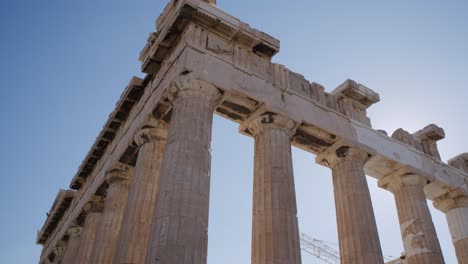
[
  {"x": 357, "y": 230},
  {"x": 118, "y": 178},
  {"x": 93, "y": 211},
  {"x": 275, "y": 232},
  {"x": 73, "y": 244},
  {"x": 180, "y": 231},
  {"x": 455, "y": 206},
  {"x": 138, "y": 217},
  {"x": 417, "y": 229}
]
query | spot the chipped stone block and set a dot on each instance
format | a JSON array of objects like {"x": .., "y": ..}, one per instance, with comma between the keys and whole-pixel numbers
[
  {"x": 430, "y": 132},
  {"x": 460, "y": 162},
  {"x": 318, "y": 93},
  {"x": 299, "y": 84},
  {"x": 429, "y": 137},
  {"x": 354, "y": 99},
  {"x": 382, "y": 132},
  {"x": 281, "y": 77},
  {"x": 331, "y": 101},
  {"x": 358, "y": 92},
  {"x": 406, "y": 138}
]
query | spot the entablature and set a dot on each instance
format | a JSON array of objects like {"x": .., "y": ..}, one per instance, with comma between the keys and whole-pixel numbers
[
  {"x": 179, "y": 13},
  {"x": 424, "y": 140},
  {"x": 128, "y": 99},
  {"x": 324, "y": 124},
  {"x": 61, "y": 204},
  {"x": 198, "y": 41}
]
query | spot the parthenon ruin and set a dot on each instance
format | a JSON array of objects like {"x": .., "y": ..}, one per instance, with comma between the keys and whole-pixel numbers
[{"x": 142, "y": 193}]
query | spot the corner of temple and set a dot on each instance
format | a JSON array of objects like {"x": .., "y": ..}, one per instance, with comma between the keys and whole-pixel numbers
[{"x": 354, "y": 99}]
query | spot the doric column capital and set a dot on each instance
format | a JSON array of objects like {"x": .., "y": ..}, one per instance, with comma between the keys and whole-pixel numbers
[
  {"x": 119, "y": 172},
  {"x": 59, "y": 250},
  {"x": 74, "y": 230},
  {"x": 93, "y": 207},
  {"x": 342, "y": 151},
  {"x": 351, "y": 153},
  {"x": 152, "y": 131},
  {"x": 347, "y": 153},
  {"x": 394, "y": 182},
  {"x": 451, "y": 200},
  {"x": 271, "y": 120},
  {"x": 186, "y": 87}
]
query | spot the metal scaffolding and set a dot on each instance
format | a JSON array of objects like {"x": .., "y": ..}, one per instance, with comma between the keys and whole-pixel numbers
[{"x": 319, "y": 249}]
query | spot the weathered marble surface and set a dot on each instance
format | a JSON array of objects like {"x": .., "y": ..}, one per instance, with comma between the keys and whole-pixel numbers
[
  {"x": 215, "y": 48},
  {"x": 275, "y": 231},
  {"x": 417, "y": 229}
]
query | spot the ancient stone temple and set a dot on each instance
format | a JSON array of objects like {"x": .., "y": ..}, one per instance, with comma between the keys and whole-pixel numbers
[{"x": 142, "y": 193}]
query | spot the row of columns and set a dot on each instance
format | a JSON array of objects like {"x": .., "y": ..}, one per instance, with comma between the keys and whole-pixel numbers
[{"x": 157, "y": 213}]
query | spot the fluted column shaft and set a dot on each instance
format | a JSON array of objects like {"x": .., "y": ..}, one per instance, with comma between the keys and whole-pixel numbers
[
  {"x": 180, "y": 230},
  {"x": 458, "y": 224},
  {"x": 93, "y": 213},
  {"x": 357, "y": 230},
  {"x": 117, "y": 178},
  {"x": 73, "y": 244},
  {"x": 275, "y": 234},
  {"x": 136, "y": 224},
  {"x": 455, "y": 207},
  {"x": 417, "y": 229}
]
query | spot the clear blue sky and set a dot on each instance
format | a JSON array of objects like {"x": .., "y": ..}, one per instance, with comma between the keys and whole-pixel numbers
[{"x": 64, "y": 64}]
